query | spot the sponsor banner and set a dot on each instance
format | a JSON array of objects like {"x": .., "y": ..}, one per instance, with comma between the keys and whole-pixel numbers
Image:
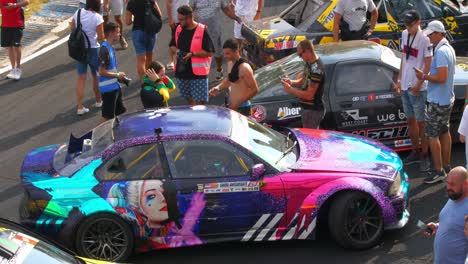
[{"x": 229, "y": 187}]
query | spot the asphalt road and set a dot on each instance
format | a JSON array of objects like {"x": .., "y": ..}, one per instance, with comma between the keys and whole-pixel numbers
[{"x": 40, "y": 110}]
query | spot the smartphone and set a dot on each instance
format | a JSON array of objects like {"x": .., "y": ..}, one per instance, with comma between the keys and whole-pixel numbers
[
  {"x": 424, "y": 227},
  {"x": 416, "y": 69}
]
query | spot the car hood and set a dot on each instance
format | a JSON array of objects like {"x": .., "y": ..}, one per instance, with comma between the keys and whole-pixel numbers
[
  {"x": 270, "y": 27},
  {"x": 329, "y": 151}
]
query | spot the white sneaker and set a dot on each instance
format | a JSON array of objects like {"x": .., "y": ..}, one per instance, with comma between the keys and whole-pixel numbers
[
  {"x": 18, "y": 74},
  {"x": 98, "y": 104},
  {"x": 12, "y": 74},
  {"x": 82, "y": 111}
]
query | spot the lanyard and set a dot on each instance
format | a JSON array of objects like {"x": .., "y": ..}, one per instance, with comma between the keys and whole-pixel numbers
[{"x": 409, "y": 45}]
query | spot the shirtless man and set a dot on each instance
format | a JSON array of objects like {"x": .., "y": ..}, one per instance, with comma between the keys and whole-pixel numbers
[{"x": 240, "y": 79}]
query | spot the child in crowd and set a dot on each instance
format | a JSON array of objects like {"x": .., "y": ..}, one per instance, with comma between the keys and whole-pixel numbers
[{"x": 156, "y": 86}]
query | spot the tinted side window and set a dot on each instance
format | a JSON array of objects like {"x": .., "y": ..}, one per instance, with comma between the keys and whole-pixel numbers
[
  {"x": 133, "y": 163},
  {"x": 206, "y": 159},
  {"x": 362, "y": 78}
]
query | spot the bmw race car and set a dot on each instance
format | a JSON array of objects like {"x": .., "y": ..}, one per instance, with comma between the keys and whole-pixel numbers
[
  {"x": 358, "y": 92},
  {"x": 272, "y": 38},
  {"x": 183, "y": 176},
  {"x": 19, "y": 245}
]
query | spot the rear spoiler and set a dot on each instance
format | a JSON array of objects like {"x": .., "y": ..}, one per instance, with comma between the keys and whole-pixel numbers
[{"x": 76, "y": 144}]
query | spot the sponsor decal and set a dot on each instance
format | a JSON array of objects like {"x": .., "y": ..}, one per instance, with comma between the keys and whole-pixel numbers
[
  {"x": 286, "y": 44},
  {"x": 258, "y": 113},
  {"x": 402, "y": 143},
  {"x": 286, "y": 112},
  {"x": 229, "y": 187},
  {"x": 391, "y": 117},
  {"x": 371, "y": 97},
  {"x": 384, "y": 133},
  {"x": 385, "y": 96},
  {"x": 359, "y": 98},
  {"x": 352, "y": 117}
]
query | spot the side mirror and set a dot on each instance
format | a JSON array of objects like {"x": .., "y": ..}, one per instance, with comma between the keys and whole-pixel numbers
[
  {"x": 257, "y": 171},
  {"x": 117, "y": 166}
]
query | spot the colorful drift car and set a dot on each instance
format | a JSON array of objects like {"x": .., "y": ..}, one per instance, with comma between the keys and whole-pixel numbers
[
  {"x": 19, "y": 245},
  {"x": 358, "y": 92},
  {"x": 273, "y": 38},
  {"x": 186, "y": 176}
]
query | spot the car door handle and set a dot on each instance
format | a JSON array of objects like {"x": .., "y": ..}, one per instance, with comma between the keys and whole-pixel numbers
[{"x": 346, "y": 104}]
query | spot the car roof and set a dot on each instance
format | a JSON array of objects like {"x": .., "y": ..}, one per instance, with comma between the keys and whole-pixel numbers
[
  {"x": 178, "y": 120},
  {"x": 350, "y": 50}
]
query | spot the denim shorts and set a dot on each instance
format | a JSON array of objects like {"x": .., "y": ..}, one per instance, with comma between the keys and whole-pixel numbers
[
  {"x": 92, "y": 60},
  {"x": 414, "y": 106},
  {"x": 143, "y": 42},
  {"x": 196, "y": 89}
]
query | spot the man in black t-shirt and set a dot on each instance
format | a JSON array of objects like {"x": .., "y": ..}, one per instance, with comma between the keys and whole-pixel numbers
[
  {"x": 310, "y": 85},
  {"x": 193, "y": 61}
]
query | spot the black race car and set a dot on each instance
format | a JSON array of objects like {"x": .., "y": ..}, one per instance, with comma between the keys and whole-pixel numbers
[
  {"x": 275, "y": 37},
  {"x": 358, "y": 93}
]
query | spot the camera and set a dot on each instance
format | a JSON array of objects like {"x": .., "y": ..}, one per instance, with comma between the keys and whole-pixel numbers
[{"x": 125, "y": 80}]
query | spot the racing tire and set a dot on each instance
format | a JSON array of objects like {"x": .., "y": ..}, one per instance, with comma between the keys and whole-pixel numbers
[
  {"x": 355, "y": 220},
  {"x": 104, "y": 237}
]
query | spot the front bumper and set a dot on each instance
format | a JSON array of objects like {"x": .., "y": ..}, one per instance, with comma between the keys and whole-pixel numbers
[{"x": 401, "y": 205}]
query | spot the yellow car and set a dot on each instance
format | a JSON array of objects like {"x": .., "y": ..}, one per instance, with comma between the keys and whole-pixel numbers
[
  {"x": 272, "y": 38},
  {"x": 21, "y": 246}
]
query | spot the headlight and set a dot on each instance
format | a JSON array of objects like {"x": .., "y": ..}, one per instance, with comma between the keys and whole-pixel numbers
[{"x": 394, "y": 189}]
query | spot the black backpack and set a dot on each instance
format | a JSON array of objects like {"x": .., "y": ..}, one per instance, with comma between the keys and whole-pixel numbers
[
  {"x": 76, "y": 43},
  {"x": 153, "y": 21}
]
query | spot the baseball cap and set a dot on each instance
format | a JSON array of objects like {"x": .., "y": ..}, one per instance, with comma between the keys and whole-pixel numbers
[
  {"x": 434, "y": 26},
  {"x": 410, "y": 17}
]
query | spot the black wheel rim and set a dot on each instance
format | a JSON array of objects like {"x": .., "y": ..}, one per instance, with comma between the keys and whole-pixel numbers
[
  {"x": 105, "y": 240},
  {"x": 363, "y": 220}
]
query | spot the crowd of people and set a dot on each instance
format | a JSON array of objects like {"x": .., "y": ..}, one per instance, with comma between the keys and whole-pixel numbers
[{"x": 192, "y": 45}]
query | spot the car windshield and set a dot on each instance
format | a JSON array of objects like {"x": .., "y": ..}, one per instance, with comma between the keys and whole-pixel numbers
[
  {"x": 302, "y": 14},
  {"x": 16, "y": 246},
  {"x": 264, "y": 142},
  {"x": 428, "y": 9},
  {"x": 269, "y": 77},
  {"x": 68, "y": 163}
]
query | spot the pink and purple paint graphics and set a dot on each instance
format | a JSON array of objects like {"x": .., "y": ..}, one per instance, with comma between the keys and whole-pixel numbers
[{"x": 182, "y": 212}]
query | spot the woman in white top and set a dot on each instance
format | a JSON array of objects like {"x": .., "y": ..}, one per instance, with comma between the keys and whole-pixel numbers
[{"x": 92, "y": 24}]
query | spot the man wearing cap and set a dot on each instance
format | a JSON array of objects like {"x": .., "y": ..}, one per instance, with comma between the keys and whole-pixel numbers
[
  {"x": 440, "y": 98},
  {"x": 350, "y": 22},
  {"x": 417, "y": 52}
]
